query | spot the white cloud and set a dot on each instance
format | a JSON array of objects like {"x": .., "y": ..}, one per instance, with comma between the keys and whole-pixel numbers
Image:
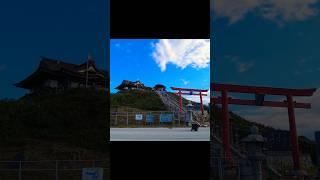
[
  {"x": 243, "y": 67},
  {"x": 307, "y": 120},
  {"x": 240, "y": 65},
  {"x": 185, "y": 82},
  {"x": 182, "y": 53},
  {"x": 275, "y": 10}
]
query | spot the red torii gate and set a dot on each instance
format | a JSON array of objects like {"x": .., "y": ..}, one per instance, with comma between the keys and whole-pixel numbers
[
  {"x": 260, "y": 92},
  {"x": 186, "y": 91}
]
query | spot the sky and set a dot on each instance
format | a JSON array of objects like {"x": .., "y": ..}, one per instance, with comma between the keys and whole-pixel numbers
[
  {"x": 269, "y": 43},
  {"x": 58, "y": 29},
  {"x": 171, "y": 62}
]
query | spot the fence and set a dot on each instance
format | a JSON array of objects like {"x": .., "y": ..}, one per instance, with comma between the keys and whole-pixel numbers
[
  {"x": 50, "y": 170},
  {"x": 222, "y": 170},
  {"x": 147, "y": 118}
]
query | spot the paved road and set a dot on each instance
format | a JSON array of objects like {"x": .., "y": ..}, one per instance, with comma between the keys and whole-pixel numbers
[{"x": 159, "y": 134}]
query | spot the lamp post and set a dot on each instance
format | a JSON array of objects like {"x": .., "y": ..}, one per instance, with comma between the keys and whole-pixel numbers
[
  {"x": 189, "y": 114},
  {"x": 254, "y": 145}
]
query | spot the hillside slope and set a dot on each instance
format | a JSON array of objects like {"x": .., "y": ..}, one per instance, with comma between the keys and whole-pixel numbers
[
  {"x": 145, "y": 100},
  {"x": 77, "y": 118},
  {"x": 243, "y": 126}
]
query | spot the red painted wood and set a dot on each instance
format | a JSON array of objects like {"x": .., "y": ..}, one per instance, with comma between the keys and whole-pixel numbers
[
  {"x": 180, "y": 101},
  {"x": 290, "y": 104},
  {"x": 216, "y": 100},
  {"x": 261, "y": 90},
  {"x": 191, "y": 94},
  {"x": 201, "y": 103},
  {"x": 226, "y": 127},
  {"x": 293, "y": 134},
  {"x": 187, "y": 89}
]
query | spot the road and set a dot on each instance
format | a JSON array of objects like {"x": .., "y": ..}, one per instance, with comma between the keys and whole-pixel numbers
[{"x": 159, "y": 134}]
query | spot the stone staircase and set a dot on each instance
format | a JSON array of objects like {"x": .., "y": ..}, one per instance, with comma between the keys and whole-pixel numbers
[{"x": 171, "y": 102}]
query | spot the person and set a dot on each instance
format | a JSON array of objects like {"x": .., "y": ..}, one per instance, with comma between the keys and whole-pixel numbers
[{"x": 195, "y": 125}]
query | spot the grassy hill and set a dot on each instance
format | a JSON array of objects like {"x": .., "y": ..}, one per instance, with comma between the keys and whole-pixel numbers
[
  {"x": 76, "y": 119},
  {"x": 145, "y": 100}
]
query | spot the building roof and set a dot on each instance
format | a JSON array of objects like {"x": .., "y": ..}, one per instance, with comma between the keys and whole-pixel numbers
[
  {"x": 126, "y": 83},
  {"x": 160, "y": 86},
  {"x": 57, "y": 65},
  {"x": 51, "y": 67}
]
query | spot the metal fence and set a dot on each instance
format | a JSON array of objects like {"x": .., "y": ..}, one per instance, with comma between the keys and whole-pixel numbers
[
  {"x": 221, "y": 169},
  {"x": 50, "y": 170},
  {"x": 147, "y": 118}
]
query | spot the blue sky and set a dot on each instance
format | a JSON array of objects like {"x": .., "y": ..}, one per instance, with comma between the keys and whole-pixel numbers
[
  {"x": 65, "y": 30},
  {"x": 269, "y": 43},
  {"x": 136, "y": 60}
]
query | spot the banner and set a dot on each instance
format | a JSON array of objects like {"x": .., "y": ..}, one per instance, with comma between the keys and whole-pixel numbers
[
  {"x": 150, "y": 118},
  {"x": 92, "y": 174},
  {"x": 166, "y": 117}
]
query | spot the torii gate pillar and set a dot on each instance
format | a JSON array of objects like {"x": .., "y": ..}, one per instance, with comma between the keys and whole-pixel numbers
[
  {"x": 293, "y": 133},
  {"x": 226, "y": 126}
]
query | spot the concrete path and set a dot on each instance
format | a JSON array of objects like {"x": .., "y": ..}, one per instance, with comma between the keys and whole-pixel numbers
[{"x": 159, "y": 134}]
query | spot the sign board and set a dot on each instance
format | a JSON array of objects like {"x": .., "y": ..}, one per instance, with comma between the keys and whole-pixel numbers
[
  {"x": 139, "y": 117},
  {"x": 92, "y": 173},
  {"x": 166, "y": 117},
  {"x": 150, "y": 118}
]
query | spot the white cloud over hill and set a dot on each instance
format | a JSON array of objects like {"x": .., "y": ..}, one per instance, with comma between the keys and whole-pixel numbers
[{"x": 182, "y": 53}]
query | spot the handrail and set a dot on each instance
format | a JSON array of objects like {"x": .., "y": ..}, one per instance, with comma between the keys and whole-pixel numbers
[
  {"x": 238, "y": 153},
  {"x": 170, "y": 101}
]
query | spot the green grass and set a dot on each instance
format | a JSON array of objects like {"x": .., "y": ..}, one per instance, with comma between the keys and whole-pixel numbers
[{"x": 144, "y": 100}]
